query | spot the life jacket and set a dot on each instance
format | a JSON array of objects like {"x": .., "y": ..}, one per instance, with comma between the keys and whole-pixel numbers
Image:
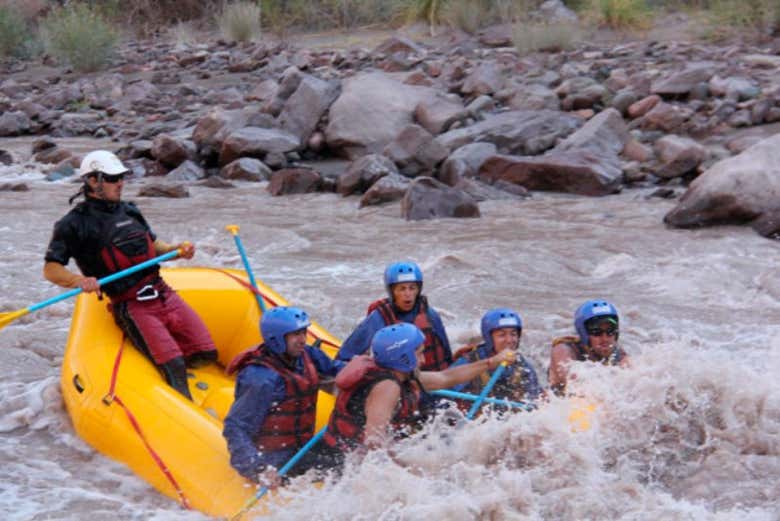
[
  {"x": 288, "y": 424},
  {"x": 123, "y": 240},
  {"x": 346, "y": 428},
  {"x": 511, "y": 384},
  {"x": 436, "y": 358},
  {"x": 581, "y": 355}
]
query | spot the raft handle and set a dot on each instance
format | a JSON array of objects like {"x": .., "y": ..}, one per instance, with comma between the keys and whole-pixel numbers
[{"x": 77, "y": 383}]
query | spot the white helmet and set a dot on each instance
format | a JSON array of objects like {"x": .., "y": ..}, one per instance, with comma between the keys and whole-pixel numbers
[{"x": 101, "y": 161}]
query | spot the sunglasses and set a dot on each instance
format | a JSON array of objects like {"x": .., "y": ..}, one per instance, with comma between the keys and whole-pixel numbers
[
  {"x": 597, "y": 331},
  {"x": 112, "y": 179}
]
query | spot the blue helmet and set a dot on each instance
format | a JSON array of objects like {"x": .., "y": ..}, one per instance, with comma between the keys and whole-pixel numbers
[
  {"x": 398, "y": 272},
  {"x": 394, "y": 347},
  {"x": 592, "y": 309},
  {"x": 279, "y": 321},
  {"x": 498, "y": 318}
]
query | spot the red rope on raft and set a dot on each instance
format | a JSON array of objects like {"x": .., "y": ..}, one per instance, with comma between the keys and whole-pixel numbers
[{"x": 112, "y": 397}]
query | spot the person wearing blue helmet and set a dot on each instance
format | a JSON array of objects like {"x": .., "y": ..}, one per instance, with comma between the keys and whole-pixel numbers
[
  {"x": 275, "y": 405},
  {"x": 502, "y": 329},
  {"x": 380, "y": 393},
  {"x": 405, "y": 303},
  {"x": 597, "y": 324}
]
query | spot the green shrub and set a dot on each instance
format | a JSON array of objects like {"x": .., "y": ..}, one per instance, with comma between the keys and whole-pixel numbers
[
  {"x": 240, "y": 21},
  {"x": 621, "y": 14},
  {"x": 79, "y": 36},
  {"x": 734, "y": 15},
  {"x": 547, "y": 37},
  {"x": 14, "y": 34}
]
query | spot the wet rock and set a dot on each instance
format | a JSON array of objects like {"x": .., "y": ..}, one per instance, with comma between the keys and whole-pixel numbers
[
  {"x": 265, "y": 91},
  {"x": 734, "y": 190},
  {"x": 533, "y": 97},
  {"x": 370, "y": 112},
  {"x": 187, "y": 171},
  {"x": 428, "y": 198},
  {"x": 52, "y": 155},
  {"x": 211, "y": 129},
  {"x": 389, "y": 188},
  {"x": 5, "y": 157},
  {"x": 306, "y": 105},
  {"x": 363, "y": 173},
  {"x": 734, "y": 88},
  {"x": 438, "y": 113},
  {"x": 43, "y": 143},
  {"x": 398, "y": 44},
  {"x": 496, "y": 36},
  {"x": 643, "y": 106},
  {"x": 605, "y": 133},
  {"x": 679, "y": 156},
  {"x": 683, "y": 82},
  {"x": 415, "y": 150},
  {"x": 486, "y": 78},
  {"x": 465, "y": 162},
  {"x": 517, "y": 131},
  {"x": 479, "y": 105},
  {"x": 623, "y": 100},
  {"x": 665, "y": 117},
  {"x": 216, "y": 182},
  {"x": 663, "y": 193},
  {"x": 294, "y": 181},
  {"x": 14, "y": 124},
  {"x": 164, "y": 190},
  {"x": 256, "y": 142},
  {"x": 246, "y": 169},
  {"x": 171, "y": 151},
  {"x": 578, "y": 171},
  {"x": 768, "y": 225},
  {"x": 14, "y": 187}
]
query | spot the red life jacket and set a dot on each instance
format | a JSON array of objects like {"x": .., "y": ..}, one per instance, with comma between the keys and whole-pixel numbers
[
  {"x": 346, "y": 428},
  {"x": 124, "y": 240},
  {"x": 290, "y": 423},
  {"x": 435, "y": 356}
]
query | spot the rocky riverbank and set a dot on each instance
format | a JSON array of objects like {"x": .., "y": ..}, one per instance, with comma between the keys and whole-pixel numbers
[{"x": 440, "y": 124}]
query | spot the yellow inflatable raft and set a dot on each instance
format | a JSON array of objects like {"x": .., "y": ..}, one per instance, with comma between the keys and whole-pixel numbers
[{"x": 120, "y": 405}]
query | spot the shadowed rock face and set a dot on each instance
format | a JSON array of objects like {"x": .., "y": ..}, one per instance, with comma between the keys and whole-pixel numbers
[{"x": 734, "y": 191}]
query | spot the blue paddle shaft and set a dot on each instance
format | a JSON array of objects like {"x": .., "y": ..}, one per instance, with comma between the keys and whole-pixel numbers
[
  {"x": 106, "y": 280},
  {"x": 248, "y": 269},
  {"x": 287, "y": 466},
  {"x": 485, "y": 390},
  {"x": 455, "y": 395}
]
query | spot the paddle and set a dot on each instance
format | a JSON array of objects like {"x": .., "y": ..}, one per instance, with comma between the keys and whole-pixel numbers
[
  {"x": 282, "y": 472},
  {"x": 455, "y": 395},
  {"x": 485, "y": 391},
  {"x": 9, "y": 316},
  {"x": 233, "y": 229}
]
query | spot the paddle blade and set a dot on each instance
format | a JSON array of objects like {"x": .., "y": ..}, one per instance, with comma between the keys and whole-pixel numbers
[{"x": 9, "y": 316}]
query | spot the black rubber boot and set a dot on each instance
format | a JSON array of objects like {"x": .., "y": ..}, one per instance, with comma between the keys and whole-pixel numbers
[
  {"x": 175, "y": 373},
  {"x": 201, "y": 358}
]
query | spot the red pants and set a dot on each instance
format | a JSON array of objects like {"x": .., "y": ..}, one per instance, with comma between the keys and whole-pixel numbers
[{"x": 163, "y": 328}]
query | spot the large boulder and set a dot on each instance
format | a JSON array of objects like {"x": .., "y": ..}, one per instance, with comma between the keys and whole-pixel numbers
[
  {"x": 363, "y": 173},
  {"x": 683, "y": 82},
  {"x": 428, "y": 198},
  {"x": 415, "y": 151},
  {"x": 306, "y": 105},
  {"x": 735, "y": 190},
  {"x": 294, "y": 181},
  {"x": 256, "y": 142},
  {"x": 578, "y": 171},
  {"x": 526, "y": 132},
  {"x": 389, "y": 188},
  {"x": 370, "y": 112}
]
